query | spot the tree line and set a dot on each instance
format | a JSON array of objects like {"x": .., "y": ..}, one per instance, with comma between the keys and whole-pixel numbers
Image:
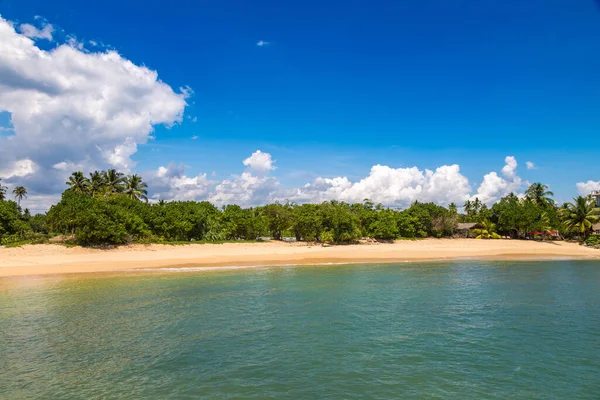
[{"x": 109, "y": 207}]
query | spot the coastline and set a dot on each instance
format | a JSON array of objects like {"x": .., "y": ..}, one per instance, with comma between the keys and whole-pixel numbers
[{"x": 57, "y": 259}]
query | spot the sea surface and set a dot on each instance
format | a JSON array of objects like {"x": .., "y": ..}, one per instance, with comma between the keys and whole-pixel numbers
[{"x": 452, "y": 330}]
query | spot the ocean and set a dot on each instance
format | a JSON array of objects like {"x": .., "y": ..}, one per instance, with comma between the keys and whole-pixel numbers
[{"x": 445, "y": 330}]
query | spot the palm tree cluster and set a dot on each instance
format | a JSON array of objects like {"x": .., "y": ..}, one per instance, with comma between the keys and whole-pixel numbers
[
  {"x": 487, "y": 231},
  {"x": 109, "y": 182},
  {"x": 539, "y": 194},
  {"x": 580, "y": 215},
  {"x": 19, "y": 192}
]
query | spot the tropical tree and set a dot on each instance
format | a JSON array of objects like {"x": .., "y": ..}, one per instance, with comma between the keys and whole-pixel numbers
[
  {"x": 2, "y": 191},
  {"x": 487, "y": 232},
  {"x": 19, "y": 193},
  {"x": 539, "y": 194},
  {"x": 114, "y": 180},
  {"x": 97, "y": 182},
  {"x": 580, "y": 215},
  {"x": 135, "y": 188},
  {"x": 78, "y": 182}
]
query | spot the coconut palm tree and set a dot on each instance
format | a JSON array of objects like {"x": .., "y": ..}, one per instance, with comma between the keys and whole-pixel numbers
[
  {"x": 539, "y": 194},
  {"x": 19, "y": 193},
  {"x": 468, "y": 207},
  {"x": 487, "y": 232},
  {"x": 114, "y": 180},
  {"x": 2, "y": 191},
  {"x": 97, "y": 182},
  {"x": 580, "y": 215},
  {"x": 135, "y": 188},
  {"x": 78, "y": 182}
]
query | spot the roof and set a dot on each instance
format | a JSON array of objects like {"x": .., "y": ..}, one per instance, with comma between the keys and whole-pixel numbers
[{"x": 468, "y": 225}]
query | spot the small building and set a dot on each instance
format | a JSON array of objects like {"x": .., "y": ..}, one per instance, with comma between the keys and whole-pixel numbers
[
  {"x": 464, "y": 228},
  {"x": 596, "y": 228},
  {"x": 596, "y": 194}
]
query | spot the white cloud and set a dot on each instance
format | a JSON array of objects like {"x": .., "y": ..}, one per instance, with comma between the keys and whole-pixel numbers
[
  {"x": 585, "y": 188},
  {"x": 171, "y": 183},
  {"x": 530, "y": 165},
  {"x": 194, "y": 137},
  {"x": 393, "y": 187},
  {"x": 32, "y": 32},
  {"x": 259, "y": 162},
  {"x": 247, "y": 189},
  {"x": 18, "y": 169},
  {"x": 494, "y": 187},
  {"x": 71, "y": 107},
  {"x": 262, "y": 43}
]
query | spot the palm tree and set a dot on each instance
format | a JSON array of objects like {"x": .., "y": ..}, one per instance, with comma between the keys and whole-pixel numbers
[
  {"x": 539, "y": 194},
  {"x": 468, "y": 207},
  {"x": 19, "y": 193},
  {"x": 545, "y": 224},
  {"x": 135, "y": 188},
  {"x": 78, "y": 182},
  {"x": 487, "y": 232},
  {"x": 2, "y": 191},
  {"x": 97, "y": 182},
  {"x": 114, "y": 180},
  {"x": 580, "y": 215}
]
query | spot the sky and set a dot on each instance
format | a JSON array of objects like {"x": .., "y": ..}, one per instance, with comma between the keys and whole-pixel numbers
[{"x": 250, "y": 102}]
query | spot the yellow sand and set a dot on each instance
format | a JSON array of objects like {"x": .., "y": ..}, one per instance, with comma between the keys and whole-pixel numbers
[{"x": 56, "y": 259}]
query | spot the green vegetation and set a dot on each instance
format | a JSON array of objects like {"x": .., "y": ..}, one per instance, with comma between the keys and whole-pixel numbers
[
  {"x": 487, "y": 232},
  {"x": 109, "y": 208},
  {"x": 580, "y": 215}
]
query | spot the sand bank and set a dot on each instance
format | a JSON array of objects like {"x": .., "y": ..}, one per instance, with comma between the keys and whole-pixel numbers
[{"x": 56, "y": 259}]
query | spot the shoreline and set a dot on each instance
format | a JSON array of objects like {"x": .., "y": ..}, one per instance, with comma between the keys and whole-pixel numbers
[{"x": 47, "y": 259}]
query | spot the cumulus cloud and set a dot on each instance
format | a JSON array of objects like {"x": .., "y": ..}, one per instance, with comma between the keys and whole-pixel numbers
[
  {"x": 395, "y": 187},
  {"x": 390, "y": 186},
  {"x": 530, "y": 165},
  {"x": 494, "y": 186},
  {"x": 259, "y": 162},
  {"x": 171, "y": 183},
  {"x": 585, "y": 188},
  {"x": 32, "y": 32},
  {"x": 246, "y": 190},
  {"x": 18, "y": 169},
  {"x": 71, "y": 107},
  {"x": 251, "y": 188}
]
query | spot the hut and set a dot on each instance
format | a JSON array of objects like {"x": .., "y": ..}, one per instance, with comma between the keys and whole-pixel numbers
[{"x": 596, "y": 228}]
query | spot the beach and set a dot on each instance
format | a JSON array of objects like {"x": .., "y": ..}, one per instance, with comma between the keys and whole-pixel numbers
[{"x": 58, "y": 259}]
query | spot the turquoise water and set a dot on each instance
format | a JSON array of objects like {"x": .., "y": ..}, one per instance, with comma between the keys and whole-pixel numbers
[{"x": 464, "y": 330}]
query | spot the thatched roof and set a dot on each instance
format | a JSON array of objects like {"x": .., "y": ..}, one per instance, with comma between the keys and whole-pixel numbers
[{"x": 465, "y": 226}]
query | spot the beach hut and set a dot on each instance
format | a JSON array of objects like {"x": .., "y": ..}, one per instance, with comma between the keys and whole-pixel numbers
[
  {"x": 596, "y": 228},
  {"x": 464, "y": 228}
]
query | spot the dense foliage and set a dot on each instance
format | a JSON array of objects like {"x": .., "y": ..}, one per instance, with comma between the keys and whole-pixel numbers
[{"x": 110, "y": 208}]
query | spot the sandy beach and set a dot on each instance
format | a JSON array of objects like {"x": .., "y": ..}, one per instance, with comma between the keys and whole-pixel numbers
[{"x": 57, "y": 259}]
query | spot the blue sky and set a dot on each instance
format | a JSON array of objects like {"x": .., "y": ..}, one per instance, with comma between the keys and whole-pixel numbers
[{"x": 342, "y": 86}]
